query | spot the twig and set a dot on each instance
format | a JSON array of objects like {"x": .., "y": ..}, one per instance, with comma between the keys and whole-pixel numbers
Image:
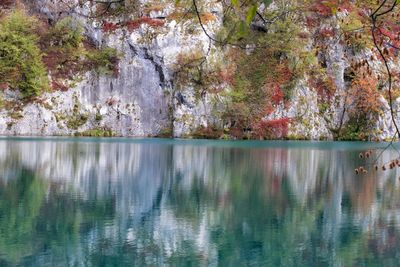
[{"x": 374, "y": 16}]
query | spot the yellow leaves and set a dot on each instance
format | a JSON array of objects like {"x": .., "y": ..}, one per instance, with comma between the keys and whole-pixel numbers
[{"x": 353, "y": 21}]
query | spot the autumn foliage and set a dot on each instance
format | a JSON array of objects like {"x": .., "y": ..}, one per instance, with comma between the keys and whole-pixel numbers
[
  {"x": 132, "y": 25},
  {"x": 324, "y": 86},
  {"x": 364, "y": 97},
  {"x": 364, "y": 105},
  {"x": 327, "y": 8},
  {"x": 7, "y": 3},
  {"x": 109, "y": 26},
  {"x": 271, "y": 129}
]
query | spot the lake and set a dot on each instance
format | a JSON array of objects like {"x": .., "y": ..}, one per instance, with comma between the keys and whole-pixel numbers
[{"x": 135, "y": 202}]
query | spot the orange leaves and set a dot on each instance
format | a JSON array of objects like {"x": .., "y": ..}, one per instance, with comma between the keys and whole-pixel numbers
[
  {"x": 364, "y": 97},
  {"x": 207, "y": 17},
  {"x": 56, "y": 84}
]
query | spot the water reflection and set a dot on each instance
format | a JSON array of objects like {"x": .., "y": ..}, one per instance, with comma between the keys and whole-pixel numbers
[{"x": 155, "y": 202}]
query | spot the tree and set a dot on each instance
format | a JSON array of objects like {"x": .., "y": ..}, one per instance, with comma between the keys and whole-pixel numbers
[
  {"x": 362, "y": 25},
  {"x": 21, "y": 63}
]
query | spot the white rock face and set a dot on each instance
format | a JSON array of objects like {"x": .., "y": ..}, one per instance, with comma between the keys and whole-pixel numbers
[{"x": 141, "y": 101}]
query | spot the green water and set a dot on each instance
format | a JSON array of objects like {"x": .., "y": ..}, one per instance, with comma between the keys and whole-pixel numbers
[{"x": 133, "y": 202}]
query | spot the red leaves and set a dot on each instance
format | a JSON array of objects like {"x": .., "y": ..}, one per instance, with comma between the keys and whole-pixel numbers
[
  {"x": 326, "y": 8},
  {"x": 273, "y": 84},
  {"x": 109, "y": 26},
  {"x": 271, "y": 129},
  {"x": 7, "y": 3},
  {"x": 61, "y": 66},
  {"x": 324, "y": 86},
  {"x": 278, "y": 95},
  {"x": 391, "y": 35},
  {"x": 58, "y": 85},
  {"x": 132, "y": 25},
  {"x": 326, "y": 32},
  {"x": 321, "y": 9},
  {"x": 3, "y": 86}
]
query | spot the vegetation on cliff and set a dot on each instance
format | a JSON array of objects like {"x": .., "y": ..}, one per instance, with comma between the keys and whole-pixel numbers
[
  {"x": 287, "y": 43},
  {"x": 21, "y": 63},
  {"x": 269, "y": 47},
  {"x": 32, "y": 51}
]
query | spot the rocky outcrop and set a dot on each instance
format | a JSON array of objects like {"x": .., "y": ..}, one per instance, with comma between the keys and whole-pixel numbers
[
  {"x": 144, "y": 100},
  {"x": 140, "y": 101}
]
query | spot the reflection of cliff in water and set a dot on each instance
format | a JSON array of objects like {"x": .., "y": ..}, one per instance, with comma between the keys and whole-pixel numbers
[{"x": 163, "y": 203}]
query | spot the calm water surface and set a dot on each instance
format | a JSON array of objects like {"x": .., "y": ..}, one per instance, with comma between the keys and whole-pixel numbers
[{"x": 130, "y": 202}]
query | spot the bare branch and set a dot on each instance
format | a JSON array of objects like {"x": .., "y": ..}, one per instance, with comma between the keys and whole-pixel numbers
[{"x": 374, "y": 16}]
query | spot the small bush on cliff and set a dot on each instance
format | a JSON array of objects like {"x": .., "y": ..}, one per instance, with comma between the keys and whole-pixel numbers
[
  {"x": 364, "y": 106},
  {"x": 20, "y": 57},
  {"x": 105, "y": 61},
  {"x": 67, "y": 33},
  {"x": 63, "y": 50},
  {"x": 68, "y": 54}
]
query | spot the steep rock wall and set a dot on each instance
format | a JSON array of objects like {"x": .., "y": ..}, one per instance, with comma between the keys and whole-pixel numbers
[
  {"x": 144, "y": 99},
  {"x": 140, "y": 101}
]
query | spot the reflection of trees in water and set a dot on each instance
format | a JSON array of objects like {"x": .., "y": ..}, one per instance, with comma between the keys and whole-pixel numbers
[
  {"x": 20, "y": 204},
  {"x": 152, "y": 204},
  {"x": 38, "y": 218},
  {"x": 299, "y": 206}
]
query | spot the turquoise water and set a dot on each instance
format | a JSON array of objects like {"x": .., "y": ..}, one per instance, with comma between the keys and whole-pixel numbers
[{"x": 136, "y": 202}]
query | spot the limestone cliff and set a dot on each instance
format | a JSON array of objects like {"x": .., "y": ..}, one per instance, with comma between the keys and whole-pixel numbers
[{"x": 147, "y": 98}]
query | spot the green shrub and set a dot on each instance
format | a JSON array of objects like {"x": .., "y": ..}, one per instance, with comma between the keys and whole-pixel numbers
[
  {"x": 209, "y": 132},
  {"x": 105, "y": 60},
  {"x": 67, "y": 33},
  {"x": 21, "y": 63},
  {"x": 166, "y": 132},
  {"x": 97, "y": 132},
  {"x": 76, "y": 121}
]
